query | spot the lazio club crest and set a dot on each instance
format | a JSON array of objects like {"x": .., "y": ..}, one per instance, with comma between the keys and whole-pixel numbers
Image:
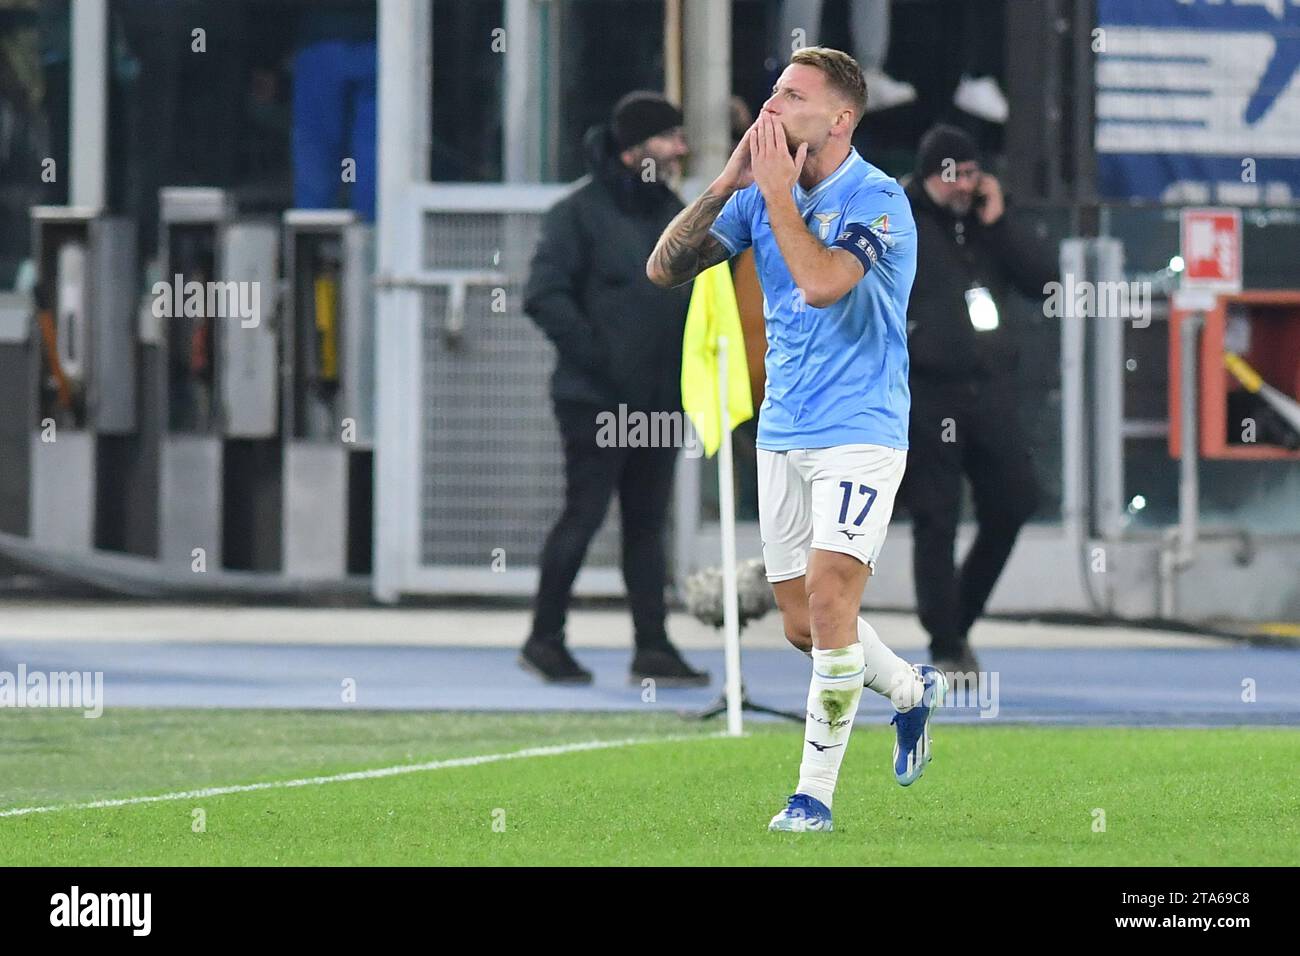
[{"x": 824, "y": 220}]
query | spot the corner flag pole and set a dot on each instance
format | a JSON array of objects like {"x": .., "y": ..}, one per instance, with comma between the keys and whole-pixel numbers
[{"x": 727, "y": 513}]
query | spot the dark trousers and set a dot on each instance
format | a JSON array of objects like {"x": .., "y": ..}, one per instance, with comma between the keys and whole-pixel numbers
[
  {"x": 643, "y": 478},
  {"x": 972, "y": 430}
]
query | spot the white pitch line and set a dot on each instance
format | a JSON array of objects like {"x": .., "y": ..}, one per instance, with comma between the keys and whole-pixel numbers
[{"x": 551, "y": 751}]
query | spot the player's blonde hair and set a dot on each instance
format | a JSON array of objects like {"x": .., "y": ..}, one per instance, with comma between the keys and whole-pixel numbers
[{"x": 841, "y": 71}]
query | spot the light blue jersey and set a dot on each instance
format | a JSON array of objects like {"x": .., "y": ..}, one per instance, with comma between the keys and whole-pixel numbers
[{"x": 838, "y": 375}]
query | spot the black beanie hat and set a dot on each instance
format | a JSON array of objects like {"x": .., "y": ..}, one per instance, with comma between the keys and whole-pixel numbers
[
  {"x": 640, "y": 115},
  {"x": 944, "y": 142}
]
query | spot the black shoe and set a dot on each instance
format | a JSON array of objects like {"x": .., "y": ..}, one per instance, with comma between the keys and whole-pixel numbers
[
  {"x": 552, "y": 662},
  {"x": 957, "y": 662},
  {"x": 665, "y": 666}
]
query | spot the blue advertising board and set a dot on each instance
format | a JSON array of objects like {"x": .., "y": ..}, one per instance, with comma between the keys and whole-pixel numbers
[{"x": 1199, "y": 100}]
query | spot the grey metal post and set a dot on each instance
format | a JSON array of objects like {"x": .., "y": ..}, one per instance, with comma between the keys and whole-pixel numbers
[
  {"x": 523, "y": 92},
  {"x": 1188, "y": 477},
  {"x": 706, "y": 63},
  {"x": 686, "y": 515},
  {"x": 404, "y": 101},
  {"x": 1108, "y": 395},
  {"x": 1179, "y": 545},
  {"x": 1073, "y": 468},
  {"x": 1075, "y": 504},
  {"x": 88, "y": 115},
  {"x": 706, "y": 89}
]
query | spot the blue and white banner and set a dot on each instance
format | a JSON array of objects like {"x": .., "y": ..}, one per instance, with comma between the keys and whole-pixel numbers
[{"x": 1198, "y": 101}]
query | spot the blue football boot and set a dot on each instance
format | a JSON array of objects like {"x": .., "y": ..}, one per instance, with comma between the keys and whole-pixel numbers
[
  {"x": 803, "y": 813},
  {"x": 912, "y": 746}
]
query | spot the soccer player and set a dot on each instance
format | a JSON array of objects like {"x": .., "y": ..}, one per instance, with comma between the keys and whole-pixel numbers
[{"x": 835, "y": 247}]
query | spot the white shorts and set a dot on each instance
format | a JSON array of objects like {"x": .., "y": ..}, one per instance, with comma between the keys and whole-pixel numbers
[{"x": 835, "y": 499}]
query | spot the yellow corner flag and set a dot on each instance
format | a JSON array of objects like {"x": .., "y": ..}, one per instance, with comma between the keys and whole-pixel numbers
[{"x": 713, "y": 313}]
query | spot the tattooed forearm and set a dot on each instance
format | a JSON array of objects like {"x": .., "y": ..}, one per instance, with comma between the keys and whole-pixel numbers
[{"x": 686, "y": 249}]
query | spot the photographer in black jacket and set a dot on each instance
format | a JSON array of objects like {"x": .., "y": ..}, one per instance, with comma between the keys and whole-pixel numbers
[
  {"x": 619, "y": 342},
  {"x": 971, "y": 253}
]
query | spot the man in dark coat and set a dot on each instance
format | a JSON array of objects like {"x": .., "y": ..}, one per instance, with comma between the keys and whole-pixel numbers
[
  {"x": 619, "y": 343},
  {"x": 971, "y": 254}
]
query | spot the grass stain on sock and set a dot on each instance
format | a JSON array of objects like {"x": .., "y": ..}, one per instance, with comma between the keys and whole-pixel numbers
[{"x": 836, "y": 704}]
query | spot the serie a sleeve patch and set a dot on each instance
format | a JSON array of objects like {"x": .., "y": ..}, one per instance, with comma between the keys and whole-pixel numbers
[{"x": 864, "y": 242}]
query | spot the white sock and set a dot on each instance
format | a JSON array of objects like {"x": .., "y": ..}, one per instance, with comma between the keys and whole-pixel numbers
[
  {"x": 887, "y": 673},
  {"x": 833, "y": 699}
]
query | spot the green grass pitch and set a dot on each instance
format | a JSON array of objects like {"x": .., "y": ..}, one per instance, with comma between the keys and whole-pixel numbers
[{"x": 996, "y": 794}]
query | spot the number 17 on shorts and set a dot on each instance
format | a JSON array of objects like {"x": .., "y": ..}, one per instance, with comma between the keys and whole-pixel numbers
[{"x": 837, "y": 499}]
